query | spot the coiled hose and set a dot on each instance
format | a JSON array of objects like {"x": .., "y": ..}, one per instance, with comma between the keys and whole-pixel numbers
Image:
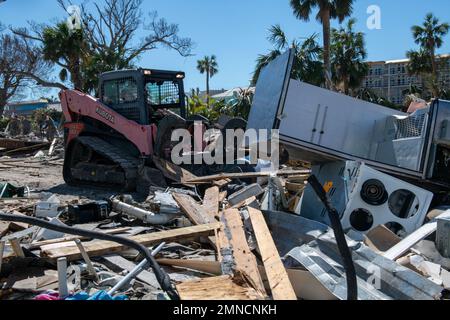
[
  {"x": 161, "y": 275},
  {"x": 352, "y": 286}
]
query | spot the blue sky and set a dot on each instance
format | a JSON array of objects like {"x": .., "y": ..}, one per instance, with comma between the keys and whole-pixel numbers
[{"x": 236, "y": 30}]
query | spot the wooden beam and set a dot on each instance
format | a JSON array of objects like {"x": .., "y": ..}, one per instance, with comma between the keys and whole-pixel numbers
[
  {"x": 216, "y": 288},
  {"x": 4, "y": 228},
  {"x": 221, "y": 176},
  {"x": 100, "y": 247},
  {"x": 172, "y": 171},
  {"x": 222, "y": 196},
  {"x": 90, "y": 266},
  {"x": 193, "y": 210},
  {"x": 278, "y": 279},
  {"x": 244, "y": 259},
  {"x": 29, "y": 148},
  {"x": 2, "y": 248},
  {"x": 39, "y": 244},
  {"x": 211, "y": 203},
  {"x": 15, "y": 245},
  {"x": 306, "y": 286},
  {"x": 221, "y": 183},
  {"x": 211, "y": 267}
]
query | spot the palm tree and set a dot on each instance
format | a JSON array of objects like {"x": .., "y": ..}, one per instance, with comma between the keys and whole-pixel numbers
[
  {"x": 347, "y": 55},
  {"x": 68, "y": 50},
  {"x": 327, "y": 10},
  {"x": 430, "y": 37},
  {"x": 307, "y": 65},
  {"x": 209, "y": 66}
]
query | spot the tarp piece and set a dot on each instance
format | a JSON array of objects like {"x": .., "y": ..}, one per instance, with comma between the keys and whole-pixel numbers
[{"x": 378, "y": 278}]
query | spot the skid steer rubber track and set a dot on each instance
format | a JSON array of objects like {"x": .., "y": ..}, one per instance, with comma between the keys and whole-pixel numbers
[{"x": 125, "y": 165}]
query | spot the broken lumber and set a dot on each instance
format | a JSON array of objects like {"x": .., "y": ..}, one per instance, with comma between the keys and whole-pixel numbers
[
  {"x": 101, "y": 247},
  {"x": 217, "y": 288},
  {"x": 172, "y": 171},
  {"x": 2, "y": 248},
  {"x": 15, "y": 245},
  {"x": 211, "y": 202},
  {"x": 193, "y": 210},
  {"x": 29, "y": 148},
  {"x": 244, "y": 259},
  {"x": 279, "y": 282},
  {"x": 39, "y": 244},
  {"x": 221, "y": 176},
  {"x": 305, "y": 285},
  {"x": 4, "y": 228}
]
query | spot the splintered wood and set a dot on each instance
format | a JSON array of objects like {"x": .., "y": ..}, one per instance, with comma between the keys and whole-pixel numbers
[
  {"x": 98, "y": 248},
  {"x": 244, "y": 259},
  {"x": 217, "y": 288},
  {"x": 172, "y": 171},
  {"x": 193, "y": 210},
  {"x": 279, "y": 282},
  {"x": 211, "y": 202}
]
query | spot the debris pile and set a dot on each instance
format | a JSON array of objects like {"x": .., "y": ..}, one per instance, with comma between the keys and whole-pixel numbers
[{"x": 215, "y": 237}]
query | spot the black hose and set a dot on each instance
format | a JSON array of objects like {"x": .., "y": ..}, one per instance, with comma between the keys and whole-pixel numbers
[
  {"x": 352, "y": 286},
  {"x": 161, "y": 275}
]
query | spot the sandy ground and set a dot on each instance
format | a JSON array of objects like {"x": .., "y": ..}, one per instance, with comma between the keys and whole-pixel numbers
[{"x": 42, "y": 176}]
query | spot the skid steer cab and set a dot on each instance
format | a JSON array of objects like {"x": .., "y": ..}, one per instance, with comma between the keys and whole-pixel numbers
[
  {"x": 140, "y": 94},
  {"x": 109, "y": 137}
]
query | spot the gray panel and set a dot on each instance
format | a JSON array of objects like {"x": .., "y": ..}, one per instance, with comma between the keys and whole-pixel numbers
[{"x": 270, "y": 90}]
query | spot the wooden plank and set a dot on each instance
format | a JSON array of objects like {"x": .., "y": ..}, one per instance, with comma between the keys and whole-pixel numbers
[
  {"x": 90, "y": 266},
  {"x": 221, "y": 176},
  {"x": 211, "y": 203},
  {"x": 222, "y": 196},
  {"x": 15, "y": 245},
  {"x": 221, "y": 183},
  {"x": 224, "y": 250},
  {"x": 29, "y": 148},
  {"x": 211, "y": 267},
  {"x": 193, "y": 210},
  {"x": 196, "y": 213},
  {"x": 243, "y": 257},
  {"x": 4, "y": 228},
  {"x": 305, "y": 285},
  {"x": 172, "y": 171},
  {"x": 216, "y": 288},
  {"x": 100, "y": 247},
  {"x": 39, "y": 244},
  {"x": 278, "y": 279},
  {"x": 2, "y": 249}
]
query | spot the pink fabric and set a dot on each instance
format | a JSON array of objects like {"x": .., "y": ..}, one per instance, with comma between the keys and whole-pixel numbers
[{"x": 47, "y": 296}]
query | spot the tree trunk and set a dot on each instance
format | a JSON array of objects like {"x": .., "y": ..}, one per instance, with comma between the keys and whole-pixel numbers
[
  {"x": 346, "y": 84},
  {"x": 434, "y": 76},
  {"x": 75, "y": 75},
  {"x": 2, "y": 101},
  {"x": 207, "y": 88},
  {"x": 326, "y": 47}
]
